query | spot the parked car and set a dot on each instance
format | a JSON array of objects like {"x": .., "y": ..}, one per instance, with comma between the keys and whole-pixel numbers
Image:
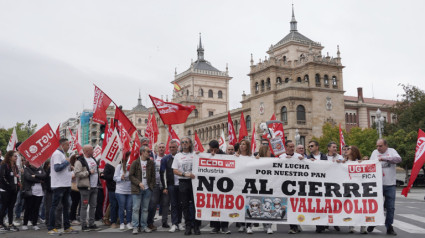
[
  {"x": 399, "y": 182},
  {"x": 419, "y": 181}
]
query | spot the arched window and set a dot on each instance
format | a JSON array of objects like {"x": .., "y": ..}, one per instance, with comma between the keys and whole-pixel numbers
[
  {"x": 326, "y": 80},
  {"x": 284, "y": 59},
  {"x": 299, "y": 79},
  {"x": 139, "y": 121},
  {"x": 248, "y": 122},
  {"x": 317, "y": 79},
  {"x": 196, "y": 112},
  {"x": 189, "y": 133},
  {"x": 210, "y": 93},
  {"x": 220, "y": 94},
  {"x": 334, "y": 82},
  {"x": 306, "y": 79},
  {"x": 286, "y": 80},
  {"x": 262, "y": 85},
  {"x": 146, "y": 121},
  {"x": 350, "y": 118},
  {"x": 278, "y": 80},
  {"x": 268, "y": 84},
  {"x": 354, "y": 118},
  {"x": 201, "y": 92},
  {"x": 235, "y": 124},
  {"x": 256, "y": 87},
  {"x": 284, "y": 115},
  {"x": 346, "y": 117},
  {"x": 300, "y": 114}
]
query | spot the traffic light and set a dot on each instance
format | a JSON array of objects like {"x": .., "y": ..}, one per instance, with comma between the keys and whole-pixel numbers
[{"x": 102, "y": 132}]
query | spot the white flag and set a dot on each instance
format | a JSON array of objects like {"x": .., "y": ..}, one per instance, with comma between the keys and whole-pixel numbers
[
  {"x": 13, "y": 140},
  {"x": 112, "y": 154},
  {"x": 222, "y": 142}
]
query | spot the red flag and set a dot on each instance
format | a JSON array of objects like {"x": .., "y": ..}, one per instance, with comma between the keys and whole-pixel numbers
[
  {"x": 231, "y": 129},
  {"x": 58, "y": 134},
  {"x": 100, "y": 104},
  {"x": 40, "y": 146},
  {"x": 171, "y": 113},
  {"x": 125, "y": 138},
  {"x": 167, "y": 150},
  {"x": 171, "y": 136},
  {"x": 135, "y": 150},
  {"x": 121, "y": 117},
  {"x": 277, "y": 128},
  {"x": 253, "y": 140},
  {"x": 198, "y": 145},
  {"x": 152, "y": 130},
  {"x": 341, "y": 139},
  {"x": 76, "y": 143},
  {"x": 419, "y": 161},
  {"x": 242, "y": 130}
]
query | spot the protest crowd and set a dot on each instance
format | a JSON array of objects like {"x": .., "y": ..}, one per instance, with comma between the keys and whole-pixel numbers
[{"x": 76, "y": 189}]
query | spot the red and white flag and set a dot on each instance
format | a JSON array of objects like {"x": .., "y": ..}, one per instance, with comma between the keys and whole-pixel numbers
[
  {"x": 40, "y": 146},
  {"x": 121, "y": 117},
  {"x": 58, "y": 134},
  {"x": 253, "y": 140},
  {"x": 113, "y": 151},
  {"x": 198, "y": 145},
  {"x": 13, "y": 140},
  {"x": 152, "y": 131},
  {"x": 76, "y": 146},
  {"x": 125, "y": 137},
  {"x": 231, "y": 129},
  {"x": 135, "y": 150},
  {"x": 222, "y": 142},
  {"x": 243, "y": 132},
  {"x": 277, "y": 128},
  {"x": 97, "y": 152},
  {"x": 171, "y": 113},
  {"x": 418, "y": 163},
  {"x": 172, "y": 135},
  {"x": 100, "y": 104},
  {"x": 341, "y": 139}
]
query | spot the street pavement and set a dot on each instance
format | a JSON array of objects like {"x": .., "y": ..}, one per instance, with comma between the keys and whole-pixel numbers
[{"x": 409, "y": 222}]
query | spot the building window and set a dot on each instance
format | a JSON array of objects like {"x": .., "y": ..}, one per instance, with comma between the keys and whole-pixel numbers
[
  {"x": 302, "y": 140},
  {"x": 334, "y": 82},
  {"x": 300, "y": 114},
  {"x": 236, "y": 126},
  {"x": 201, "y": 92},
  {"x": 262, "y": 85},
  {"x": 278, "y": 80},
  {"x": 210, "y": 113},
  {"x": 256, "y": 87},
  {"x": 210, "y": 93},
  {"x": 326, "y": 80},
  {"x": 220, "y": 94},
  {"x": 346, "y": 117},
  {"x": 317, "y": 79},
  {"x": 139, "y": 121},
  {"x": 299, "y": 79},
  {"x": 284, "y": 59},
  {"x": 268, "y": 84},
  {"x": 187, "y": 92},
  {"x": 146, "y": 121},
  {"x": 189, "y": 133},
  {"x": 354, "y": 118},
  {"x": 196, "y": 112},
  {"x": 306, "y": 78},
  {"x": 284, "y": 115},
  {"x": 286, "y": 80},
  {"x": 248, "y": 122}
]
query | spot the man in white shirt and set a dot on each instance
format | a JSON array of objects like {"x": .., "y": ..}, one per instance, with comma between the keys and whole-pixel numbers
[
  {"x": 60, "y": 175},
  {"x": 333, "y": 154},
  {"x": 389, "y": 158}
]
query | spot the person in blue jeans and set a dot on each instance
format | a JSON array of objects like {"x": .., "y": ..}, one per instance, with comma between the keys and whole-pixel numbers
[
  {"x": 142, "y": 177},
  {"x": 123, "y": 193}
]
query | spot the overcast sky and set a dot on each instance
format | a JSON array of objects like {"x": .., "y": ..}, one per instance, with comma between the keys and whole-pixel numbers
[{"x": 51, "y": 52}]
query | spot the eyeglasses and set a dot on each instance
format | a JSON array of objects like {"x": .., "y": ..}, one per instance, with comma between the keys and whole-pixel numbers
[
  {"x": 311, "y": 146},
  {"x": 349, "y": 148},
  {"x": 185, "y": 142}
]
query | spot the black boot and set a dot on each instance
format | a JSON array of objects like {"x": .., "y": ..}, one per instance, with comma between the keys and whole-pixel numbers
[
  {"x": 196, "y": 230},
  {"x": 188, "y": 231}
]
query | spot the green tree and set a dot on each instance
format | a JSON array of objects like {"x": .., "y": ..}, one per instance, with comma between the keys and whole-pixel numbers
[{"x": 23, "y": 131}]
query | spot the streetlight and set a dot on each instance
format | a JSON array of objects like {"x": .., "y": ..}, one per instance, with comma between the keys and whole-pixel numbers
[
  {"x": 297, "y": 136},
  {"x": 379, "y": 120}
]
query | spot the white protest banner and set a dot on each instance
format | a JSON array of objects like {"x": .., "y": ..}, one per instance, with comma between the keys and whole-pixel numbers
[
  {"x": 287, "y": 191},
  {"x": 112, "y": 154}
]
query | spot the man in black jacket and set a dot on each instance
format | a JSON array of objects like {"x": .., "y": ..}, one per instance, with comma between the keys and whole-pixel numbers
[
  {"x": 171, "y": 187},
  {"x": 108, "y": 176}
]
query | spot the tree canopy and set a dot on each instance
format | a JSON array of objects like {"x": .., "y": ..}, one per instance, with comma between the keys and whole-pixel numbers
[{"x": 23, "y": 131}]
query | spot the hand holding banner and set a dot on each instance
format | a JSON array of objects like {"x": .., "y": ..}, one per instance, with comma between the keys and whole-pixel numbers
[{"x": 40, "y": 146}]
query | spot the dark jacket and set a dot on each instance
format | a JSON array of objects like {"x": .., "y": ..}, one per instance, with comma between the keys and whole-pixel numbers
[
  {"x": 108, "y": 176},
  {"x": 47, "y": 182},
  {"x": 29, "y": 181},
  {"x": 7, "y": 181},
  {"x": 166, "y": 172},
  {"x": 136, "y": 175},
  {"x": 322, "y": 156}
]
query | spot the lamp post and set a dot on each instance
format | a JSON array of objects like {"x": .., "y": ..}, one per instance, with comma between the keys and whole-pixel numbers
[
  {"x": 379, "y": 120},
  {"x": 297, "y": 136}
]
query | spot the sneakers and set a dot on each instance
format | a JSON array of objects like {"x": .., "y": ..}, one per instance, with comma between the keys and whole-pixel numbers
[
  {"x": 173, "y": 228},
  {"x": 13, "y": 228},
  {"x": 24, "y": 228},
  {"x": 241, "y": 229},
  {"x": 94, "y": 227},
  {"x": 248, "y": 230},
  {"x": 106, "y": 222},
  {"x": 292, "y": 231},
  {"x": 165, "y": 225},
  {"x": 36, "y": 228},
  {"x": 135, "y": 231},
  {"x": 114, "y": 226},
  {"x": 85, "y": 228},
  {"x": 337, "y": 228},
  {"x": 152, "y": 227},
  {"x": 16, "y": 223},
  {"x": 70, "y": 230},
  {"x": 75, "y": 223},
  {"x": 351, "y": 229},
  {"x": 181, "y": 227},
  {"x": 147, "y": 230},
  {"x": 363, "y": 230},
  {"x": 129, "y": 226},
  {"x": 390, "y": 231},
  {"x": 269, "y": 230},
  {"x": 122, "y": 226},
  {"x": 41, "y": 220},
  {"x": 4, "y": 229},
  {"x": 225, "y": 230},
  {"x": 370, "y": 229},
  {"x": 214, "y": 231},
  {"x": 54, "y": 232}
]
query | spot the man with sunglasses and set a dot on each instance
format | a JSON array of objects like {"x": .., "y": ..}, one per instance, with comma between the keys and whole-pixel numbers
[
  {"x": 389, "y": 158},
  {"x": 182, "y": 166}
]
